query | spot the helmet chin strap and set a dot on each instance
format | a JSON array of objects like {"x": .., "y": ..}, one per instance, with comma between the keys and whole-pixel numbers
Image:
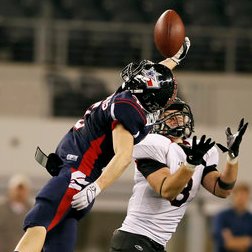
[{"x": 176, "y": 132}]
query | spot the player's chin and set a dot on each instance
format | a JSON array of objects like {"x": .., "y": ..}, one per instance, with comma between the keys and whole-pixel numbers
[{"x": 176, "y": 139}]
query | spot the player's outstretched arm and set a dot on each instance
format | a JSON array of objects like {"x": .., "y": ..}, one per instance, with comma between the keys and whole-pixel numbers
[
  {"x": 179, "y": 56},
  {"x": 123, "y": 146},
  {"x": 123, "y": 143},
  {"x": 170, "y": 185},
  {"x": 234, "y": 141},
  {"x": 222, "y": 183}
]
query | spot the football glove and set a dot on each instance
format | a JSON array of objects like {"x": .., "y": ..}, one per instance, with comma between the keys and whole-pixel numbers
[
  {"x": 196, "y": 152},
  {"x": 234, "y": 140},
  {"x": 181, "y": 54},
  {"x": 86, "y": 196}
]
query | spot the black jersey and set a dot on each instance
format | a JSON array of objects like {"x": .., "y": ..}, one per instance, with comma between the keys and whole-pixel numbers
[{"x": 88, "y": 145}]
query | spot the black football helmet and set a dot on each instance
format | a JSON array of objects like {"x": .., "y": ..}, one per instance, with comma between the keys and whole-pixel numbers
[
  {"x": 153, "y": 84},
  {"x": 184, "y": 127}
]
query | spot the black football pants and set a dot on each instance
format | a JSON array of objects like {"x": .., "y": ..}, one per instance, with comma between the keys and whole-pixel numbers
[{"x": 128, "y": 242}]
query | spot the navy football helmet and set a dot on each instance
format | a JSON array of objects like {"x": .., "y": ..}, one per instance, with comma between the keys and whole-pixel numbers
[
  {"x": 153, "y": 84},
  {"x": 182, "y": 119}
]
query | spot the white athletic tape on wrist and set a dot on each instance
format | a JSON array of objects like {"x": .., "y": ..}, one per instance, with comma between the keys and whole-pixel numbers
[{"x": 98, "y": 189}]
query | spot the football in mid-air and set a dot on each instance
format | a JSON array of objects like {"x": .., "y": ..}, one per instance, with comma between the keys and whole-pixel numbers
[{"x": 169, "y": 33}]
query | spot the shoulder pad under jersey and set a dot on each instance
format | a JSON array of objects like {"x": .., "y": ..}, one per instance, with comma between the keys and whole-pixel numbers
[
  {"x": 128, "y": 112},
  {"x": 154, "y": 146}
]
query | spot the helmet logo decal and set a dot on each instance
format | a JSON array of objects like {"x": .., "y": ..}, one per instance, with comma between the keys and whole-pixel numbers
[
  {"x": 152, "y": 84},
  {"x": 151, "y": 78}
]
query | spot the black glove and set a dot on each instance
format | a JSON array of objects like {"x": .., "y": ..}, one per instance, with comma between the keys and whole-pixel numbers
[
  {"x": 52, "y": 162},
  {"x": 234, "y": 140},
  {"x": 196, "y": 152}
]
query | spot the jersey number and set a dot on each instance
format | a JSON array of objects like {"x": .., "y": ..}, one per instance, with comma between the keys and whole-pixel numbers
[{"x": 185, "y": 193}]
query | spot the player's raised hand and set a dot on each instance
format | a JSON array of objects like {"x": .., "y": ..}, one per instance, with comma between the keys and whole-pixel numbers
[
  {"x": 234, "y": 140},
  {"x": 83, "y": 198},
  {"x": 196, "y": 152},
  {"x": 181, "y": 54}
]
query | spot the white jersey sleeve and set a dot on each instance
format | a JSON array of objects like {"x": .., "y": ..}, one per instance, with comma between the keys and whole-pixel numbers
[
  {"x": 154, "y": 147},
  {"x": 212, "y": 157}
]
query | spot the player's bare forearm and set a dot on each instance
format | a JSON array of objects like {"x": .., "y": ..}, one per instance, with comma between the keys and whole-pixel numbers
[
  {"x": 228, "y": 176},
  {"x": 176, "y": 182},
  {"x": 168, "y": 63},
  {"x": 170, "y": 185},
  {"x": 226, "y": 181},
  {"x": 113, "y": 171},
  {"x": 180, "y": 55},
  {"x": 230, "y": 172},
  {"x": 123, "y": 146}
]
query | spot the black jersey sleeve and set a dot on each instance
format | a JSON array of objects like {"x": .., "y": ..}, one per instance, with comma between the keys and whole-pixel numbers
[
  {"x": 207, "y": 170},
  {"x": 148, "y": 166},
  {"x": 129, "y": 113}
]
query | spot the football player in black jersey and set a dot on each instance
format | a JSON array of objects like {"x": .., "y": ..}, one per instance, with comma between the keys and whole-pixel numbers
[{"x": 95, "y": 152}]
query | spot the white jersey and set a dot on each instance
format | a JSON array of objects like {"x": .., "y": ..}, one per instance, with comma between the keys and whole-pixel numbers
[{"x": 148, "y": 214}]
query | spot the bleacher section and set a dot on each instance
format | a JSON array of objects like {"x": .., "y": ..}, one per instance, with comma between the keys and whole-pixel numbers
[{"x": 36, "y": 31}]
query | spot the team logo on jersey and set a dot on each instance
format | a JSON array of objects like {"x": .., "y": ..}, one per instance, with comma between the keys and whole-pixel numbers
[{"x": 71, "y": 157}]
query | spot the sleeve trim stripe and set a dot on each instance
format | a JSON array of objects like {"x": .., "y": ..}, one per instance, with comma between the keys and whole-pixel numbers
[
  {"x": 113, "y": 125},
  {"x": 207, "y": 170},
  {"x": 112, "y": 111},
  {"x": 136, "y": 135}
]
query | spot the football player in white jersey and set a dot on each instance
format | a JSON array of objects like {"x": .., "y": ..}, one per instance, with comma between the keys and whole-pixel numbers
[{"x": 170, "y": 168}]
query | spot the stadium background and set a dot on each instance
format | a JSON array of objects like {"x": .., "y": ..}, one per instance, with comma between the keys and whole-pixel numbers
[{"x": 58, "y": 56}]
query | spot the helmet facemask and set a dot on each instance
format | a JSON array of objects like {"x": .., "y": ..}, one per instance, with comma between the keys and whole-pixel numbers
[{"x": 178, "y": 124}]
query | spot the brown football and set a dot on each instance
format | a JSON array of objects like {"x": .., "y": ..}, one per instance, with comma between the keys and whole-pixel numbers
[{"x": 169, "y": 33}]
